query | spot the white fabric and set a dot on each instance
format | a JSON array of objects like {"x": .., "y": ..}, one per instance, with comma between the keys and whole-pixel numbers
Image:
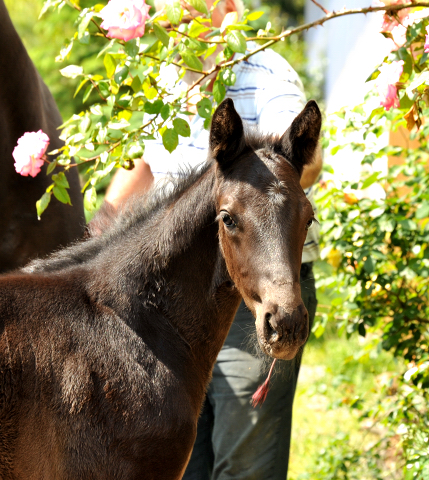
[{"x": 268, "y": 95}]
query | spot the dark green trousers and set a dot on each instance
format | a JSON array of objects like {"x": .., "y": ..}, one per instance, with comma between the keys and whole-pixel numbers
[{"x": 236, "y": 441}]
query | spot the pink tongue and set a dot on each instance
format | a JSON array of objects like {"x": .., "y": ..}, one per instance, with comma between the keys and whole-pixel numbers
[{"x": 260, "y": 395}]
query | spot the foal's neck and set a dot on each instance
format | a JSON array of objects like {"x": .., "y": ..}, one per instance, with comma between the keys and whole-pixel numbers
[{"x": 184, "y": 276}]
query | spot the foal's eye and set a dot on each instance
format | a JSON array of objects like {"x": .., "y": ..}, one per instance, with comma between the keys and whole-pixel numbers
[
  {"x": 227, "y": 219},
  {"x": 309, "y": 223}
]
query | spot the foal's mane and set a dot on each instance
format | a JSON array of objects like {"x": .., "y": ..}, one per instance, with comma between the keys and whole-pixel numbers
[{"x": 109, "y": 227}]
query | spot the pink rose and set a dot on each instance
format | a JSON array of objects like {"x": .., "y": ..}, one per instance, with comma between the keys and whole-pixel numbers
[
  {"x": 427, "y": 40},
  {"x": 385, "y": 83},
  {"x": 125, "y": 19},
  {"x": 389, "y": 23},
  {"x": 398, "y": 25},
  {"x": 29, "y": 153}
]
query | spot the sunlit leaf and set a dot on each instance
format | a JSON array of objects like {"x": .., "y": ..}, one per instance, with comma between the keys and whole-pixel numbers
[
  {"x": 191, "y": 60},
  {"x": 61, "y": 194},
  {"x": 174, "y": 12},
  {"x": 204, "y": 108},
  {"x": 182, "y": 127},
  {"x": 90, "y": 199},
  {"x": 109, "y": 64},
  {"x": 42, "y": 203},
  {"x": 236, "y": 41},
  {"x": 170, "y": 139},
  {"x": 230, "y": 19},
  {"x": 161, "y": 34},
  {"x": 199, "y": 5},
  {"x": 254, "y": 16},
  {"x": 72, "y": 71}
]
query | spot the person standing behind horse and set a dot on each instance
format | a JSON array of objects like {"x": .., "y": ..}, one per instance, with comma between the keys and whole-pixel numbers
[{"x": 235, "y": 440}]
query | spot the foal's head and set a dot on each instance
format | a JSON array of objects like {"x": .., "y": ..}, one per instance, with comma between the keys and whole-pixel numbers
[{"x": 263, "y": 217}]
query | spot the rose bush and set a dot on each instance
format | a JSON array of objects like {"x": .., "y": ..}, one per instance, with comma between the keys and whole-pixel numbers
[{"x": 381, "y": 272}]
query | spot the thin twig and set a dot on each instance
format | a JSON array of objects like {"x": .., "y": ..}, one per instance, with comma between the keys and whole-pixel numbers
[
  {"x": 321, "y": 7},
  {"x": 307, "y": 26}
]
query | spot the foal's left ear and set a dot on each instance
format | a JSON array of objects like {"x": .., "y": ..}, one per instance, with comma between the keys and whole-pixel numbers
[
  {"x": 300, "y": 140},
  {"x": 226, "y": 134}
]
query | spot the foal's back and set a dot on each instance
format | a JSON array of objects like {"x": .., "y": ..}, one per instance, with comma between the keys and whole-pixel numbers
[{"x": 76, "y": 378}]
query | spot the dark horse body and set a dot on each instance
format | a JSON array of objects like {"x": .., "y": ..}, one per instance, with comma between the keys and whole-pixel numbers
[
  {"x": 26, "y": 105},
  {"x": 106, "y": 347}
]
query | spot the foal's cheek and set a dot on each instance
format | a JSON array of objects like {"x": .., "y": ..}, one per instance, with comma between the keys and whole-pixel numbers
[{"x": 230, "y": 251}]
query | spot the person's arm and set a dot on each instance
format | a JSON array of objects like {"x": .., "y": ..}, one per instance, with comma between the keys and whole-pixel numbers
[
  {"x": 311, "y": 172},
  {"x": 126, "y": 183}
]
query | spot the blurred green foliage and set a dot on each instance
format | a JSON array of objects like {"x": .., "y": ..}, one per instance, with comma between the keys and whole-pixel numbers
[{"x": 45, "y": 37}]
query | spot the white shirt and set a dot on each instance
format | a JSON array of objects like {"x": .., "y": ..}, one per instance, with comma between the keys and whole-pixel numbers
[{"x": 268, "y": 95}]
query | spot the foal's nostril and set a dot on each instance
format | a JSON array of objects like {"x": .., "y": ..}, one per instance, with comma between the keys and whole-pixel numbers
[{"x": 271, "y": 328}]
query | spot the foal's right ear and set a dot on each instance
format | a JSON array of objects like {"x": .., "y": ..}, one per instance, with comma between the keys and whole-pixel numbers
[{"x": 226, "y": 134}]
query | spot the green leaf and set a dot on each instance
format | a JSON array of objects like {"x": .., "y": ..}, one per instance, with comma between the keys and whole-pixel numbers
[
  {"x": 136, "y": 84},
  {"x": 196, "y": 29},
  {"x": 227, "y": 77},
  {"x": 423, "y": 210},
  {"x": 81, "y": 84},
  {"x": 199, "y": 5},
  {"x": 149, "y": 91},
  {"x": 318, "y": 329},
  {"x": 42, "y": 203},
  {"x": 336, "y": 149},
  {"x": 121, "y": 75},
  {"x": 90, "y": 199},
  {"x": 84, "y": 24},
  {"x": 61, "y": 194},
  {"x": 404, "y": 55},
  {"x": 192, "y": 60},
  {"x": 254, "y": 16},
  {"x": 60, "y": 180},
  {"x": 104, "y": 89},
  {"x": 373, "y": 75},
  {"x": 236, "y": 41},
  {"x": 161, "y": 34},
  {"x": 135, "y": 150},
  {"x": 368, "y": 265},
  {"x": 182, "y": 127},
  {"x": 72, "y": 71},
  {"x": 240, "y": 26},
  {"x": 204, "y": 108},
  {"x": 170, "y": 139},
  {"x": 424, "y": 58},
  {"x": 131, "y": 47},
  {"x": 165, "y": 111},
  {"x": 119, "y": 125},
  {"x": 174, "y": 12},
  {"x": 219, "y": 91},
  {"x": 408, "y": 224},
  {"x": 370, "y": 180},
  {"x": 51, "y": 167},
  {"x": 87, "y": 93},
  {"x": 85, "y": 124},
  {"x": 109, "y": 64},
  {"x": 376, "y": 111},
  {"x": 153, "y": 108},
  {"x": 231, "y": 18}
]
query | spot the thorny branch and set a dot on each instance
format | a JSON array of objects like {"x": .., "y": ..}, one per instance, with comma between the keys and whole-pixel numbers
[{"x": 390, "y": 9}]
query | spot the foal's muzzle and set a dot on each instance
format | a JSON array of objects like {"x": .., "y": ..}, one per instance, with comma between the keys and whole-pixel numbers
[{"x": 281, "y": 334}]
